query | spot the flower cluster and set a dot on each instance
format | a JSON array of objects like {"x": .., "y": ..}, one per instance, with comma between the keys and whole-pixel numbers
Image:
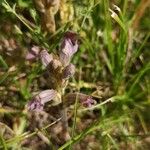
[{"x": 60, "y": 70}]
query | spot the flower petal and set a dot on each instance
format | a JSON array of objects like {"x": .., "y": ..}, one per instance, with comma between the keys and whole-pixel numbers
[
  {"x": 69, "y": 46},
  {"x": 38, "y": 101},
  {"x": 46, "y": 58},
  {"x": 33, "y": 53},
  {"x": 35, "y": 105}
]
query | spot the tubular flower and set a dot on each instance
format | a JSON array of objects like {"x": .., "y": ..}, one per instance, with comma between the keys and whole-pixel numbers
[
  {"x": 69, "y": 46},
  {"x": 38, "y": 101},
  {"x": 85, "y": 100}
]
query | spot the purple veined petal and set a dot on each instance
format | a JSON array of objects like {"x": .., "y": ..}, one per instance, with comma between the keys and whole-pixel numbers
[
  {"x": 65, "y": 59},
  {"x": 68, "y": 47},
  {"x": 46, "y": 58},
  {"x": 37, "y": 103},
  {"x": 76, "y": 46},
  {"x": 68, "y": 71},
  {"x": 46, "y": 96},
  {"x": 67, "y": 51},
  {"x": 33, "y": 53}
]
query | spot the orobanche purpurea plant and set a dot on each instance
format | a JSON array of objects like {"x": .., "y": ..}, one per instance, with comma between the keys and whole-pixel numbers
[{"x": 60, "y": 70}]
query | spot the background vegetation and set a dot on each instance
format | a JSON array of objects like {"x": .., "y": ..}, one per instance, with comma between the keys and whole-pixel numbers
[{"x": 112, "y": 65}]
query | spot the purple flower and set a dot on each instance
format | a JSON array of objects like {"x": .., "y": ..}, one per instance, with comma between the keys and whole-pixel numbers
[
  {"x": 88, "y": 102},
  {"x": 68, "y": 47},
  {"x": 71, "y": 35},
  {"x": 33, "y": 53},
  {"x": 37, "y": 103},
  {"x": 68, "y": 71},
  {"x": 46, "y": 58},
  {"x": 85, "y": 100}
]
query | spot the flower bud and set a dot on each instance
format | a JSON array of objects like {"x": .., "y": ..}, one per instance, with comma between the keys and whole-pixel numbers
[
  {"x": 46, "y": 58},
  {"x": 68, "y": 71}
]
